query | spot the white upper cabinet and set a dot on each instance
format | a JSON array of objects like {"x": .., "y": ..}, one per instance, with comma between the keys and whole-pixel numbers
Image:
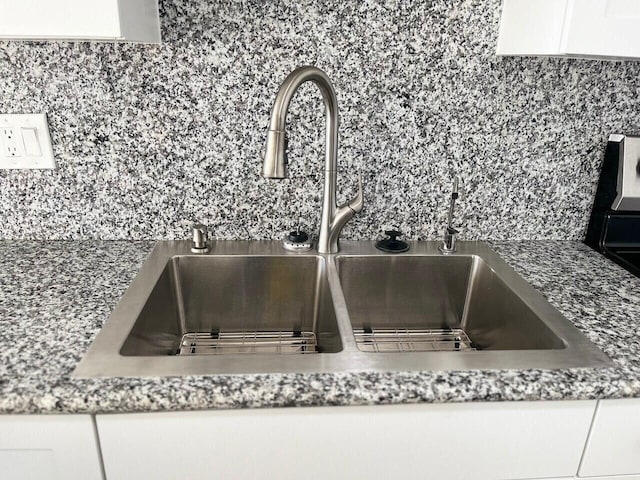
[
  {"x": 575, "y": 28},
  {"x": 106, "y": 20}
]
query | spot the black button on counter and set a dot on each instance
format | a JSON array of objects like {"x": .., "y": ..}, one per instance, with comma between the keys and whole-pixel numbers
[
  {"x": 298, "y": 236},
  {"x": 392, "y": 244}
]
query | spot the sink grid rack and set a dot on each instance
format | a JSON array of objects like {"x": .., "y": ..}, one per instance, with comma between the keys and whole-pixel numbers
[
  {"x": 255, "y": 342},
  {"x": 412, "y": 340}
]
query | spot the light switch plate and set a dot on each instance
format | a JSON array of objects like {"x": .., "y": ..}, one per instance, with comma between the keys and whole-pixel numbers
[{"x": 25, "y": 142}]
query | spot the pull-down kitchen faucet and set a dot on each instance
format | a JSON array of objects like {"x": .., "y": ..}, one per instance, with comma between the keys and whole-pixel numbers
[{"x": 275, "y": 159}]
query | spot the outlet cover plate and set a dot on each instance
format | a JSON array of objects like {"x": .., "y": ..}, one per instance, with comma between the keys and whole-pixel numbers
[{"x": 25, "y": 142}]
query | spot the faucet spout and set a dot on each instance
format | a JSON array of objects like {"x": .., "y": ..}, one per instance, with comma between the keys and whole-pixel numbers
[
  {"x": 275, "y": 155},
  {"x": 333, "y": 217}
]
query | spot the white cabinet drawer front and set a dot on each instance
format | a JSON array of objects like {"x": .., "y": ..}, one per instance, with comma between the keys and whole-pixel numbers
[
  {"x": 614, "y": 443},
  {"x": 48, "y": 447},
  {"x": 28, "y": 464},
  {"x": 446, "y": 441}
]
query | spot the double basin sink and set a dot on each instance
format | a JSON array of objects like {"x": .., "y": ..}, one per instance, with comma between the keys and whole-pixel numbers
[{"x": 251, "y": 307}]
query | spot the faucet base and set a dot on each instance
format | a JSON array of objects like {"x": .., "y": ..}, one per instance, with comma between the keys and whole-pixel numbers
[{"x": 446, "y": 251}]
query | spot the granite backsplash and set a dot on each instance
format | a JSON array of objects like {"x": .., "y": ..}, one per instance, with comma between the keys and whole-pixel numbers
[{"x": 149, "y": 138}]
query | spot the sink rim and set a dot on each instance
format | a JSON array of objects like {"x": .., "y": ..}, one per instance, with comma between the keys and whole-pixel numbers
[{"x": 103, "y": 359}]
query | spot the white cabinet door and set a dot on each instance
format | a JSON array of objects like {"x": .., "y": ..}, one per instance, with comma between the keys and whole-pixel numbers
[
  {"x": 614, "y": 477},
  {"x": 614, "y": 442},
  {"x": 131, "y": 20},
  {"x": 48, "y": 447},
  {"x": 610, "y": 477},
  {"x": 531, "y": 27},
  {"x": 444, "y": 441},
  {"x": 603, "y": 28},
  {"x": 583, "y": 28}
]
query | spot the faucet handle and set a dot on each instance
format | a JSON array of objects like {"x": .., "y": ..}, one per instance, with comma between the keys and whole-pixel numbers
[
  {"x": 347, "y": 210},
  {"x": 358, "y": 201}
]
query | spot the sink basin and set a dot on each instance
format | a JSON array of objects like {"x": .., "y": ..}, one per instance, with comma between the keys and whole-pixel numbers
[
  {"x": 252, "y": 307},
  {"x": 237, "y": 304},
  {"x": 437, "y": 303}
]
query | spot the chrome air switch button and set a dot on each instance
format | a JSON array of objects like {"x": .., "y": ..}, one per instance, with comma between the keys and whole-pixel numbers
[{"x": 298, "y": 240}]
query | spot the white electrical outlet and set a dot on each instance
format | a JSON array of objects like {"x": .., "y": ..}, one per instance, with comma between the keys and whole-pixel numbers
[
  {"x": 25, "y": 142},
  {"x": 9, "y": 142}
]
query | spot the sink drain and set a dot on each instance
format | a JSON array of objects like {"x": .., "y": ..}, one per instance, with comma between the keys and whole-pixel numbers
[
  {"x": 412, "y": 340},
  {"x": 221, "y": 343}
]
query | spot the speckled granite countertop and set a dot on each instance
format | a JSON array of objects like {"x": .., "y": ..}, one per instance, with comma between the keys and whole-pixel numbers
[{"x": 55, "y": 297}]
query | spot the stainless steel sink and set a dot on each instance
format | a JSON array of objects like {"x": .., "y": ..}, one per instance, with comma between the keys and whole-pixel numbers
[
  {"x": 224, "y": 304},
  {"x": 251, "y": 307},
  {"x": 437, "y": 303}
]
